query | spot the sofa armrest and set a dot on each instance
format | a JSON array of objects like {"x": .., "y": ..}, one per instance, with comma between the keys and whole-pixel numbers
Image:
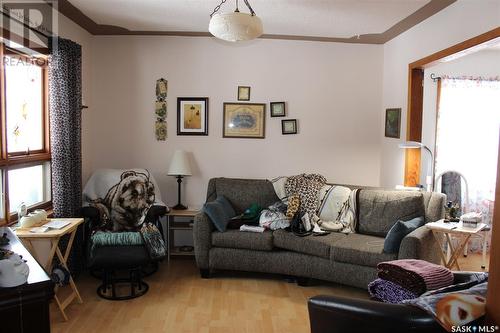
[
  {"x": 420, "y": 244},
  {"x": 341, "y": 314},
  {"x": 202, "y": 236}
]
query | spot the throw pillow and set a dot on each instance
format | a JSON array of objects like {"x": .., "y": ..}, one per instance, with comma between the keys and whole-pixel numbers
[
  {"x": 398, "y": 231},
  {"x": 220, "y": 212}
]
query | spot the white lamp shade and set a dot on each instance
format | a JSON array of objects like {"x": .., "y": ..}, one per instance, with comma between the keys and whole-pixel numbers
[
  {"x": 179, "y": 166},
  {"x": 235, "y": 27}
]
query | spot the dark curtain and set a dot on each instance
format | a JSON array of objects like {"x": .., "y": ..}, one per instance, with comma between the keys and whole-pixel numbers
[{"x": 65, "y": 96}]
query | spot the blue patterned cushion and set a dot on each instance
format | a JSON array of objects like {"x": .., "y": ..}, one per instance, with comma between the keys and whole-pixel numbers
[
  {"x": 220, "y": 212},
  {"x": 398, "y": 231}
]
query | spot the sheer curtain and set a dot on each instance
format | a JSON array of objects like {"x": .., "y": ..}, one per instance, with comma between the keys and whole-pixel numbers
[{"x": 467, "y": 136}]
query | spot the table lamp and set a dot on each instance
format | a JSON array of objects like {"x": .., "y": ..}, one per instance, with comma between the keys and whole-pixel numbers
[
  {"x": 429, "y": 180},
  {"x": 179, "y": 167}
]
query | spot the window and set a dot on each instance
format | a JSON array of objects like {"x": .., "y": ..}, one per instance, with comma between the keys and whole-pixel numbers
[
  {"x": 467, "y": 137},
  {"x": 24, "y": 149}
]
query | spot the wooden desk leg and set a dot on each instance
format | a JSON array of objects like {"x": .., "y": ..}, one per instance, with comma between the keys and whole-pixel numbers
[
  {"x": 459, "y": 250},
  {"x": 64, "y": 259},
  {"x": 449, "y": 262},
  {"x": 442, "y": 251}
]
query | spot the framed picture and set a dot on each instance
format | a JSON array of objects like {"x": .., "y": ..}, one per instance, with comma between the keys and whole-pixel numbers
[
  {"x": 289, "y": 126},
  {"x": 277, "y": 109},
  {"x": 392, "y": 123},
  {"x": 244, "y": 120},
  {"x": 192, "y": 116},
  {"x": 243, "y": 93}
]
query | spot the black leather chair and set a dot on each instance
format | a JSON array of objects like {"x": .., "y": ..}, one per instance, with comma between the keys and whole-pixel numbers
[
  {"x": 120, "y": 264},
  {"x": 332, "y": 314}
]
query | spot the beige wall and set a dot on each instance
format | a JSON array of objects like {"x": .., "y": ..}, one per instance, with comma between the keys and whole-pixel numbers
[
  {"x": 456, "y": 23},
  {"x": 334, "y": 90}
]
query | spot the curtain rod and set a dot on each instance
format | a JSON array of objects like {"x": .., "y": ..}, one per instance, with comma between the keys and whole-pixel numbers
[{"x": 434, "y": 77}]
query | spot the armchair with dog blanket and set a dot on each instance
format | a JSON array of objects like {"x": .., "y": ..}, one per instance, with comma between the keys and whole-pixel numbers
[{"x": 123, "y": 229}]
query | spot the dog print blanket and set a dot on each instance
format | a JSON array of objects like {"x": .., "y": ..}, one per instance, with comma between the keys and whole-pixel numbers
[{"x": 123, "y": 198}]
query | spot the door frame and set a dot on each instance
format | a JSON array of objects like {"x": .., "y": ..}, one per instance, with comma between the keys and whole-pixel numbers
[{"x": 416, "y": 98}]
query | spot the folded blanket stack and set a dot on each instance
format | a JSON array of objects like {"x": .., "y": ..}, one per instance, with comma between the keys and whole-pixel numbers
[
  {"x": 389, "y": 292},
  {"x": 409, "y": 278}
]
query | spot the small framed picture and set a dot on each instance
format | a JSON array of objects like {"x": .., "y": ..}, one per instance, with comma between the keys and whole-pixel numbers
[
  {"x": 244, "y": 120},
  {"x": 243, "y": 93},
  {"x": 392, "y": 123},
  {"x": 289, "y": 126},
  {"x": 192, "y": 116},
  {"x": 277, "y": 109}
]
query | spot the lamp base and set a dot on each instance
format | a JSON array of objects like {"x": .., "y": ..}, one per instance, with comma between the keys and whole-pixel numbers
[{"x": 179, "y": 207}]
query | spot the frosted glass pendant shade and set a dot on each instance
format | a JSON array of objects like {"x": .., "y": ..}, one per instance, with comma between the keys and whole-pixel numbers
[{"x": 235, "y": 27}]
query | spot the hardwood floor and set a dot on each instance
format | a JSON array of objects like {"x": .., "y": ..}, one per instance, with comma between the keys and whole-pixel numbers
[{"x": 179, "y": 301}]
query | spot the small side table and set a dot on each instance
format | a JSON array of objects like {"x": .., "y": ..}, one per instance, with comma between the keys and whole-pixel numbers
[
  {"x": 54, "y": 236},
  {"x": 173, "y": 225},
  {"x": 448, "y": 230}
]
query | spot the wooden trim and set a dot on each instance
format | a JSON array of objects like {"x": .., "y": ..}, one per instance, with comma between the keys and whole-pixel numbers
[
  {"x": 493, "y": 296},
  {"x": 438, "y": 102},
  {"x": 469, "y": 43},
  {"x": 415, "y": 99},
  {"x": 414, "y": 125},
  {"x": 426, "y": 11}
]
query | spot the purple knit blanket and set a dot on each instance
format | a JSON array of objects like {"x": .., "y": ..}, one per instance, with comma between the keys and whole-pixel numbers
[
  {"x": 389, "y": 292},
  {"x": 418, "y": 276}
]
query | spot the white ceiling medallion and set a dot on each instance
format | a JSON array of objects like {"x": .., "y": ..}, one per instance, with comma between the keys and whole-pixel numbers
[{"x": 236, "y": 26}]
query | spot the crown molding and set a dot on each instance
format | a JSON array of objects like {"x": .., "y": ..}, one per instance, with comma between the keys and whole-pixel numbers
[{"x": 426, "y": 11}]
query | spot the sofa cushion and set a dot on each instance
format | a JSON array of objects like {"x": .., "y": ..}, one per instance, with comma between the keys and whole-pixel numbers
[
  {"x": 243, "y": 240},
  {"x": 379, "y": 210},
  {"x": 242, "y": 193},
  {"x": 358, "y": 249},
  {"x": 399, "y": 231},
  {"x": 219, "y": 211},
  {"x": 319, "y": 246}
]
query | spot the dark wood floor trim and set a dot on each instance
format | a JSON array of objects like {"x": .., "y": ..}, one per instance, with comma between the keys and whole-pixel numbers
[{"x": 426, "y": 11}]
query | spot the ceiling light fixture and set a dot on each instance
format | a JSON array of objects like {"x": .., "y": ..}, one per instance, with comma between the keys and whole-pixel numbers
[{"x": 236, "y": 26}]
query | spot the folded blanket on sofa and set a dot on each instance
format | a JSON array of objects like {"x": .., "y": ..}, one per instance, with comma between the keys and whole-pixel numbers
[
  {"x": 389, "y": 292},
  {"x": 333, "y": 203},
  {"x": 415, "y": 275}
]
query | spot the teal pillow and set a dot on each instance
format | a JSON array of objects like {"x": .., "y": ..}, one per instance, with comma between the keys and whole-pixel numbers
[
  {"x": 398, "y": 231},
  {"x": 220, "y": 212}
]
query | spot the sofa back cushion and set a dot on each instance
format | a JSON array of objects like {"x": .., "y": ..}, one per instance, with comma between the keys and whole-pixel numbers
[
  {"x": 379, "y": 210},
  {"x": 241, "y": 193}
]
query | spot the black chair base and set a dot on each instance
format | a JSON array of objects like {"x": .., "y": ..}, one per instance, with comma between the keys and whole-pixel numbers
[{"x": 133, "y": 283}]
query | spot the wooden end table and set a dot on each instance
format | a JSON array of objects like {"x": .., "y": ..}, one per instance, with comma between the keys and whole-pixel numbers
[
  {"x": 54, "y": 236},
  {"x": 173, "y": 225},
  {"x": 449, "y": 230}
]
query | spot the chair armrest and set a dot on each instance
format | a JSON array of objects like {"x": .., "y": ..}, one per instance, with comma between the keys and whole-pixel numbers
[
  {"x": 341, "y": 314},
  {"x": 420, "y": 244},
  {"x": 155, "y": 212},
  {"x": 202, "y": 236}
]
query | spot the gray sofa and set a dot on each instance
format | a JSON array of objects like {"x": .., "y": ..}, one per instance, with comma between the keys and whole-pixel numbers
[{"x": 348, "y": 259}]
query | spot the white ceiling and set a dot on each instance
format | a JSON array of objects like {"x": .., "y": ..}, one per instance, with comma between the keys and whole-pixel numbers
[{"x": 318, "y": 18}]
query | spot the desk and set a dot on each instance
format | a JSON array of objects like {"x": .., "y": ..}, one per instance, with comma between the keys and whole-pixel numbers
[
  {"x": 25, "y": 308},
  {"x": 54, "y": 236},
  {"x": 448, "y": 230}
]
